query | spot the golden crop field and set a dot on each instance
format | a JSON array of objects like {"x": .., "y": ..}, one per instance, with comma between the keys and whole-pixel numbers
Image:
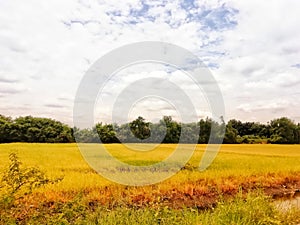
[
  {"x": 274, "y": 169},
  {"x": 233, "y": 161}
]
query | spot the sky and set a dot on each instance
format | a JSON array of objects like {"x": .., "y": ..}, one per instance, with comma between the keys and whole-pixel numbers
[{"x": 251, "y": 48}]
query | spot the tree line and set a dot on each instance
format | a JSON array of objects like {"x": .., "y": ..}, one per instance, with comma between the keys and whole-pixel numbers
[{"x": 44, "y": 130}]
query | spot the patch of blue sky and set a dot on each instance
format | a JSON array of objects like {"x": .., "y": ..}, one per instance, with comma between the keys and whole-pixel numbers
[
  {"x": 114, "y": 13},
  {"x": 297, "y": 65},
  {"x": 212, "y": 65},
  {"x": 141, "y": 11},
  {"x": 220, "y": 18}
]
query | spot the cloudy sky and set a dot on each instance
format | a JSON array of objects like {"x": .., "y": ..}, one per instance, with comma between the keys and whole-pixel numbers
[{"x": 251, "y": 47}]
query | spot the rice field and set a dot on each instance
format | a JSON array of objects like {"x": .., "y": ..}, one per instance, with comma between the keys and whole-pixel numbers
[
  {"x": 274, "y": 169},
  {"x": 232, "y": 161}
]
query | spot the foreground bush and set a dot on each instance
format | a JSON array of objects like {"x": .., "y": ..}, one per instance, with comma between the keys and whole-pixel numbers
[
  {"x": 255, "y": 208},
  {"x": 18, "y": 181}
]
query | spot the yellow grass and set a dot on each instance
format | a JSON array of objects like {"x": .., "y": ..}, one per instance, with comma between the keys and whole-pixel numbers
[{"x": 233, "y": 161}]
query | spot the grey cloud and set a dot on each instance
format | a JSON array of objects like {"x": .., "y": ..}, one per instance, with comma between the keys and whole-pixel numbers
[
  {"x": 290, "y": 50},
  {"x": 272, "y": 106},
  {"x": 8, "y": 80},
  {"x": 17, "y": 48},
  {"x": 150, "y": 109},
  {"x": 13, "y": 44},
  {"x": 290, "y": 83},
  {"x": 10, "y": 90},
  {"x": 66, "y": 99},
  {"x": 54, "y": 106},
  {"x": 14, "y": 108},
  {"x": 79, "y": 21}
]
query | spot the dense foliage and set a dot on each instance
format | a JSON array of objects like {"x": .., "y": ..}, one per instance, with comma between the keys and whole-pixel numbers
[
  {"x": 277, "y": 131},
  {"x": 33, "y": 129}
]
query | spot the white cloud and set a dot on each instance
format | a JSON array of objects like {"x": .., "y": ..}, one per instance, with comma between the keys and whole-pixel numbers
[
  {"x": 274, "y": 105},
  {"x": 251, "y": 46}
]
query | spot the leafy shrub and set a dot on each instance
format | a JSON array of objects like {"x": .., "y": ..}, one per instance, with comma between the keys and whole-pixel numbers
[{"x": 17, "y": 181}]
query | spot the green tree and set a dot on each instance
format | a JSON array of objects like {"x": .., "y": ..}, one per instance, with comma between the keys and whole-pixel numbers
[
  {"x": 140, "y": 128},
  {"x": 284, "y": 131},
  {"x": 107, "y": 133},
  {"x": 173, "y": 130},
  {"x": 230, "y": 134},
  {"x": 34, "y": 129},
  {"x": 205, "y": 129}
]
